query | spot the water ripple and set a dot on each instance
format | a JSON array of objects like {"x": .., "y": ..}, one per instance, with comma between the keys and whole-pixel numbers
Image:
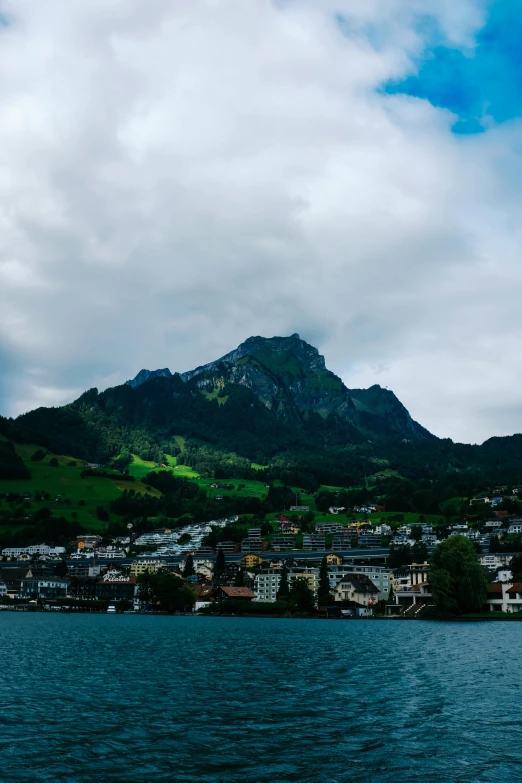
[{"x": 132, "y": 699}]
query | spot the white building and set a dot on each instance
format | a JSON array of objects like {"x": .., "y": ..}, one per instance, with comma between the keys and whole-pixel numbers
[
  {"x": 35, "y": 549},
  {"x": 266, "y": 584},
  {"x": 380, "y": 576},
  {"x": 401, "y": 541},
  {"x": 505, "y": 575},
  {"x": 505, "y": 597},
  {"x": 110, "y": 553},
  {"x": 495, "y": 561}
]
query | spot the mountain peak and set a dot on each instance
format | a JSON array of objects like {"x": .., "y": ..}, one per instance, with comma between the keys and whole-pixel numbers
[
  {"x": 275, "y": 353},
  {"x": 289, "y": 377},
  {"x": 147, "y": 375}
]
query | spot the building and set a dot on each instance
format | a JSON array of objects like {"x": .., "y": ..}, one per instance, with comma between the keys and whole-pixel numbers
[
  {"x": 148, "y": 565},
  {"x": 494, "y": 561},
  {"x": 401, "y": 540},
  {"x": 204, "y": 551},
  {"x": 330, "y": 527},
  {"x": 505, "y": 575},
  {"x": 342, "y": 609},
  {"x": 358, "y": 588},
  {"x": 227, "y": 547},
  {"x": 110, "y": 553},
  {"x": 314, "y": 542},
  {"x": 369, "y": 540},
  {"x": 333, "y": 559},
  {"x": 283, "y": 543},
  {"x": 87, "y": 542},
  {"x": 266, "y": 584},
  {"x": 515, "y": 529},
  {"x": 379, "y": 575},
  {"x": 288, "y": 527},
  {"x": 383, "y": 530},
  {"x": 410, "y": 600},
  {"x": 505, "y": 597},
  {"x": 83, "y": 569},
  {"x": 251, "y": 560},
  {"x": 403, "y": 578},
  {"x": 345, "y": 541},
  {"x": 204, "y": 596},
  {"x": 35, "y": 550},
  {"x": 116, "y": 588},
  {"x": 309, "y": 573},
  {"x": 253, "y": 544},
  {"x": 299, "y": 508},
  {"x": 224, "y": 592},
  {"x": 51, "y": 587},
  {"x": 12, "y": 578}
]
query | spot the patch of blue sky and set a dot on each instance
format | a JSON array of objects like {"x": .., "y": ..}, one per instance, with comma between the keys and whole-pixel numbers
[{"x": 482, "y": 86}]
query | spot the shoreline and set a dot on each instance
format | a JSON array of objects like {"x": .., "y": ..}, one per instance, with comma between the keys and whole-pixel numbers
[{"x": 493, "y": 617}]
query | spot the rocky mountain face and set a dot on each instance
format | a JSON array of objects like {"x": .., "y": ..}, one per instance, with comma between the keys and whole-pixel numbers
[
  {"x": 147, "y": 375},
  {"x": 289, "y": 377}
]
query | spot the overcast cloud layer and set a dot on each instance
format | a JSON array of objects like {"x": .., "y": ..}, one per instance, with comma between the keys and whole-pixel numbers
[{"x": 177, "y": 175}]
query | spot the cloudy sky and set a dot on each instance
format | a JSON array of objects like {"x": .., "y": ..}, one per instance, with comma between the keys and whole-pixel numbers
[{"x": 177, "y": 175}]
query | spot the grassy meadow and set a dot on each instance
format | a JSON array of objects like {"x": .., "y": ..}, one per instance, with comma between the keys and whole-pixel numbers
[{"x": 67, "y": 488}]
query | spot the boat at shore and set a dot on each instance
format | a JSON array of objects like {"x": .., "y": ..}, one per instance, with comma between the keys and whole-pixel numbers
[{"x": 111, "y": 609}]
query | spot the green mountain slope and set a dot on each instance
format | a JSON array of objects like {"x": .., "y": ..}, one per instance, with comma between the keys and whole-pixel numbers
[{"x": 271, "y": 400}]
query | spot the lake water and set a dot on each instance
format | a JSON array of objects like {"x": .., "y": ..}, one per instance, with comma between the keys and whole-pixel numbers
[{"x": 134, "y": 698}]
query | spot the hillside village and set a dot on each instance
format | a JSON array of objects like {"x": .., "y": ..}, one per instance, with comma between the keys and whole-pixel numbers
[
  {"x": 138, "y": 534},
  {"x": 351, "y": 568}
]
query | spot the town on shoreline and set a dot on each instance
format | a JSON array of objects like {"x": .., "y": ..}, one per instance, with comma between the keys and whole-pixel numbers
[{"x": 356, "y": 576}]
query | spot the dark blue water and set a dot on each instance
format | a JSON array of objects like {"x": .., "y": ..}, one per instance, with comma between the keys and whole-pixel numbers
[{"x": 132, "y": 698}]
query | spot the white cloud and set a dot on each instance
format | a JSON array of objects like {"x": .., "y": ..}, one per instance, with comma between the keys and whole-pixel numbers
[{"x": 175, "y": 177}]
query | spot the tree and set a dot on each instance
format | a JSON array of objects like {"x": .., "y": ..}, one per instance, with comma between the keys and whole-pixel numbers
[
  {"x": 171, "y": 593},
  {"x": 60, "y": 569},
  {"x": 189, "y": 569},
  {"x": 516, "y": 568},
  {"x": 266, "y": 529},
  {"x": 283, "y": 593},
  {"x": 38, "y": 455},
  {"x": 166, "y": 591},
  {"x": 416, "y": 532},
  {"x": 53, "y": 462},
  {"x": 419, "y": 552},
  {"x": 456, "y": 577},
  {"x": 239, "y": 580},
  {"x": 102, "y": 514},
  {"x": 302, "y": 596},
  {"x": 145, "y": 588},
  {"x": 220, "y": 564},
  {"x": 323, "y": 593},
  {"x": 399, "y": 556},
  {"x": 391, "y": 595}
]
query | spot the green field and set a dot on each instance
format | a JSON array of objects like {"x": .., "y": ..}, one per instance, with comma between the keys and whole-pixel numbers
[
  {"x": 66, "y": 488},
  {"x": 139, "y": 468}
]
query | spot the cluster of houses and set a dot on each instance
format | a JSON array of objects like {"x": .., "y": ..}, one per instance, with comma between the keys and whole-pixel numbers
[
  {"x": 357, "y": 584},
  {"x": 357, "y": 581}
]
